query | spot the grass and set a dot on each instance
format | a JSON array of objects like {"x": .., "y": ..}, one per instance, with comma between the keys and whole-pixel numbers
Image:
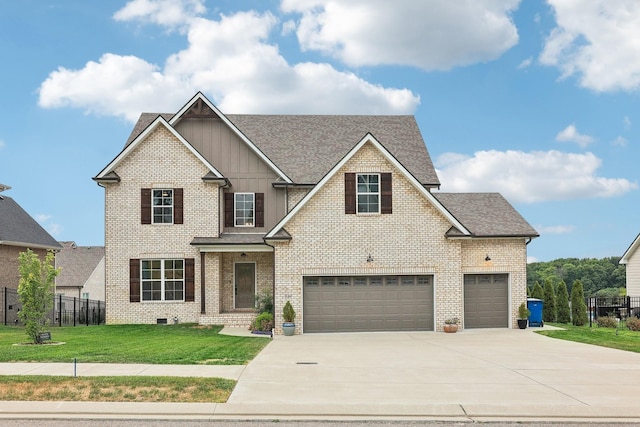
[
  {"x": 624, "y": 339},
  {"x": 182, "y": 344},
  {"x": 115, "y": 389}
]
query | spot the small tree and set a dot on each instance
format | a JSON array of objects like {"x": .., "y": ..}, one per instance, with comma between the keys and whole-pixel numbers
[
  {"x": 537, "y": 291},
  {"x": 562, "y": 304},
  {"x": 35, "y": 291},
  {"x": 549, "y": 307},
  {"x": 578, "y": 306}
]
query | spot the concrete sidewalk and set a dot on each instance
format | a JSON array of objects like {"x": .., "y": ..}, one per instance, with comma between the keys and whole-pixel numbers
[{"x": 474, "y": 375}]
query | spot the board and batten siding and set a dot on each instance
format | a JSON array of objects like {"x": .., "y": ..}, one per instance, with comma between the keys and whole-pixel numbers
[{"x": 232, "y": 157}]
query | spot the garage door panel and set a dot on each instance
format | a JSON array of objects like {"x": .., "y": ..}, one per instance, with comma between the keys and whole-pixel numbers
[
  {"x": 375, "y": 303},
  {"x": 486, "y": 298}
]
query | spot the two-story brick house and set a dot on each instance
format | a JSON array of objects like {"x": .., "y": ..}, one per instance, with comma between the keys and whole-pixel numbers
[{"x": 335, "y": 213}]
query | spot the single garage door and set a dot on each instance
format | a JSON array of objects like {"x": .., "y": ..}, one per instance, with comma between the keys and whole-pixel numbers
[
  {"x": 368, "y": 303},
  {"x": 486, "y": 301}
]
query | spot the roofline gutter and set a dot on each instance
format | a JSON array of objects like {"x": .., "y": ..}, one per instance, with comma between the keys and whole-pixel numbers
[{"x": 30, "y": 245}]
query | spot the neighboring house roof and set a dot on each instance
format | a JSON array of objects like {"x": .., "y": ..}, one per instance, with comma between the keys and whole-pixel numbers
[
  {"x": 486, "y": 215},
  {"x": 630, "y": 251},
  {"x": 18, "y": 228},
  {"x": 368, "y": 139},
  {"x": 77, "y": 263},
  {"x": 319, "y": 141}
]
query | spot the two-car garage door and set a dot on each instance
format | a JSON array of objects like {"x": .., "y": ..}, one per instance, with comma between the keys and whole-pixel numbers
[{"x": 368, "y": 303}]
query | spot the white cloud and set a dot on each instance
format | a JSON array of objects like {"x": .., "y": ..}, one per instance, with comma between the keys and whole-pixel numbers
[
  {"x": 530, "y": 177},
  {"x": 44, "y": 220},
  {"x": 626, "y": 122},
  {"x": 231, "y": 61},
  {"x": 596, "y": 40},
  {"x": 431, "y": 35},
  {"x": 554, "y": 229},
  {"x": 2, "y": 144},
  {"x": 168, "y": 13},
  {"x": 526, "y": 63},
  {"x": 620, "y": 141},
  {"x": 531, "y": 259},
  {"x": 571, "y": 134}
]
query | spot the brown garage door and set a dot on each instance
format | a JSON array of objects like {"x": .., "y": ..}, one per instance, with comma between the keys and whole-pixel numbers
[
  {"x": 486, "y": 301},
  {"x": 368, "y": 303}
]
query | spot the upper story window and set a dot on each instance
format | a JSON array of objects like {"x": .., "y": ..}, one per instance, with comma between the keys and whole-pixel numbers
[
  {"x": 368, "y": 192},
  {"x": 162, "y": 206},
  {"x": 162, "y": 279},
  {"x": 244, "y": 209}
]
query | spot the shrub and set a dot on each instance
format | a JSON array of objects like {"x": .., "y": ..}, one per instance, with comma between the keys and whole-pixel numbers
[
  {"x": 288, "y": 313},
  {"x": 607, "y": 322},
  {"x": 523, "y": 311},
  {"x": 264, "y": 301},
  {"x": 537, "y": 291},
  {"x": 549, "y": 307},
  {"x": 578, "y": 306},
  {"x": 264, "y": 322},
  {"x": 633, "y": 323},
  {"x": 563, "y": 314}
]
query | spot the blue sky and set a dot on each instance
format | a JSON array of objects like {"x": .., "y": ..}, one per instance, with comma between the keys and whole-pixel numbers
[{"x": 537, "y": 100}]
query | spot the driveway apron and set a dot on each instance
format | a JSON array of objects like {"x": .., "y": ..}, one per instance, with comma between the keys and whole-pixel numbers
[{"x": 471, "y": 367}]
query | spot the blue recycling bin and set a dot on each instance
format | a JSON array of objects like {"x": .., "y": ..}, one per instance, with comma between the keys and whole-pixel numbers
[{"x": 535, "y": 307}]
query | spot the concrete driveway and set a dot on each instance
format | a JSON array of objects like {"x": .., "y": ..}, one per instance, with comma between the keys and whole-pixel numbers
[{"x": 499, "y": 371}]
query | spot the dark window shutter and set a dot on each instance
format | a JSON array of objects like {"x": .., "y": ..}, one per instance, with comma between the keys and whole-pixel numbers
[
  {"x": 350, "y": 193},
  {"x": 259, "y": 212},
  {"x": 189, "y": 280},
  {"x": 228, "y": 209},
  {"x": 177, "y": 206},
  {"x": 145, "y": 206},
  {"x": 386, "y": 205},
  {"x": 134, "y": 280}
]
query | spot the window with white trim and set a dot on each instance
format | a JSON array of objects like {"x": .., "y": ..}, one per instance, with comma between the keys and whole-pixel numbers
[
  {"x": 368, "y": 193},
  {"x": 162, "y": 279},
  {"x": 162, "y": 203},
  {"x": 244, "y": 204}
]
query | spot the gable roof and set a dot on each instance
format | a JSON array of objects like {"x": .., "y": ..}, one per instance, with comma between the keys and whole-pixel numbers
[
  {"x": 77, "y": 263},
  {"x": 317, "y": 142},
  {"x": 18, "y": 228},
  {"x": 630, "y": 250},
  {"x": 391, "y": 159},
  {"x": 486, "y": 215},
  {"x": 159, "y": 121}
]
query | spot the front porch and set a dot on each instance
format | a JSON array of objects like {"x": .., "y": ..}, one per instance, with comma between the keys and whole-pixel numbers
[{"x": 234, "y": 270}]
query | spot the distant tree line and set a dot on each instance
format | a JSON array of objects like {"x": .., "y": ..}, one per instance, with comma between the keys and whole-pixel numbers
[{"x": 599, "y": 277}]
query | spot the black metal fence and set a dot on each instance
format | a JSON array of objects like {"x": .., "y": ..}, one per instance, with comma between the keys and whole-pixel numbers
[
  {"x": 620, "y": 307},
  {"x": 66, "y": 311}
]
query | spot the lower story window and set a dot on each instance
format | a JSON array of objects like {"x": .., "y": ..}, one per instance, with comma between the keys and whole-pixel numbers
[{"x": 162, "y": 279}]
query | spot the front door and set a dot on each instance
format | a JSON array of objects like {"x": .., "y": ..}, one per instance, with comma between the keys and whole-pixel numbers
[{"x": 245, "y": 286}]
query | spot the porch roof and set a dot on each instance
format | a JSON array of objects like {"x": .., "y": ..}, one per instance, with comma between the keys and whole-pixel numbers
[{"x": 232, "y": 242}]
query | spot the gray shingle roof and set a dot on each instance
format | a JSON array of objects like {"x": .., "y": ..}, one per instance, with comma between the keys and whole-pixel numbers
[
  {"x": 306, "y": 147},
  {"x": 77, "y": 263},
  {"x": 486, "y": 214},
  {"x": 18, "y": 227}
]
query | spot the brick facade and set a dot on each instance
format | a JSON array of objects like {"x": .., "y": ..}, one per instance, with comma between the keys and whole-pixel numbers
[{"x": 324, "y": 241}]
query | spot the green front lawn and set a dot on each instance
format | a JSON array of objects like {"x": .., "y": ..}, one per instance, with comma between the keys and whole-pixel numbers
[
  {"x": 181, "y": 344},
  {"x": 605, "y": 337}
]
